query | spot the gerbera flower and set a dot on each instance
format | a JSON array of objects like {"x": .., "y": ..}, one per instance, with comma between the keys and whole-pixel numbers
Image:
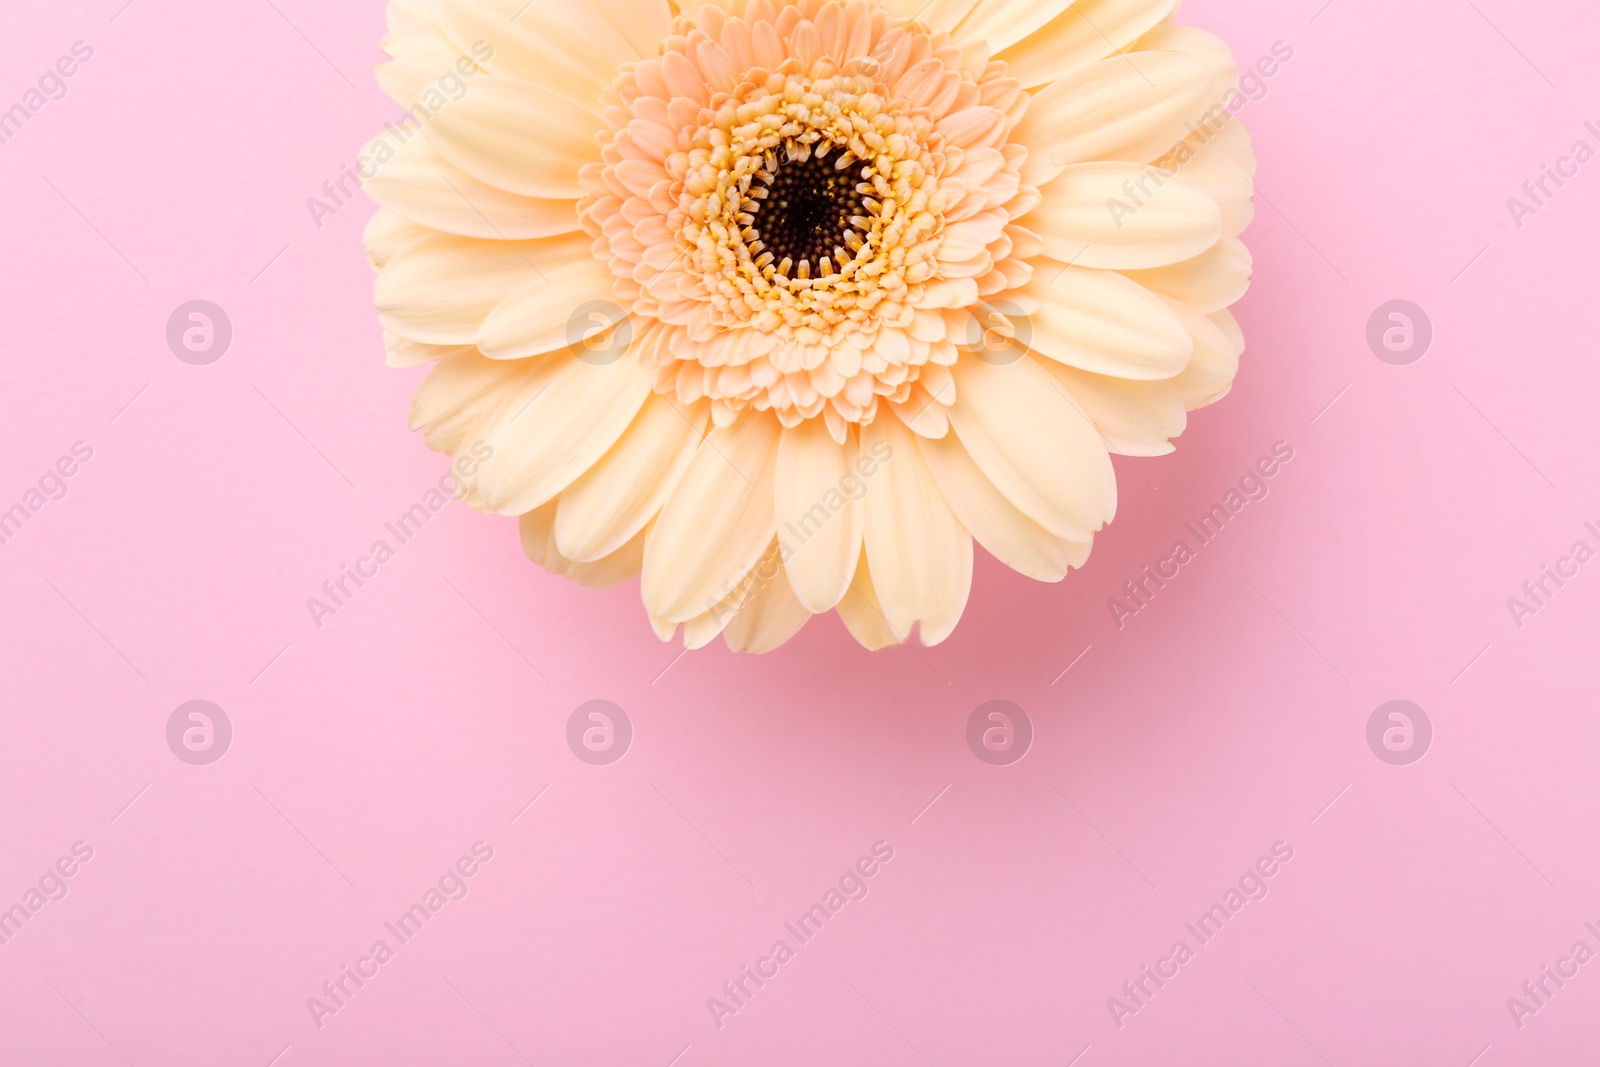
[{"x": 785, "y": 303}]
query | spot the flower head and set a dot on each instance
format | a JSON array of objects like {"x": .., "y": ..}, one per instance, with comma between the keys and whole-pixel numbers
[{"x": 784, "y": 303}]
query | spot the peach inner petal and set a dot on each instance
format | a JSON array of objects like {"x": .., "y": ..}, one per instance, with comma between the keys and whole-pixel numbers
[{"x": 799, "y": 199}]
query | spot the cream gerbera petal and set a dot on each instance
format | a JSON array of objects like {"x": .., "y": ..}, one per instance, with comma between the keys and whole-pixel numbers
[
  {"x": 1037, "y": 446},
  {"x": 771, "y": 615},
  {"x": 404, "y": 352},
  {"x": 1212, "y": 281},
  {"x": 1134, "y": 418},
  {"x": 421, "y": 54},
  {"x": 1002, "y": 23},
  {"x": 861, "y": 613},
  {"x": 817, "y": 490},
  {"x": 767, "y": 614},
  {"x": 1218, "y": 343},
  {"x": 416, "y": 182},
  {"x": 1102, "y": 321},
  {"x": 716, "y": 524},
  {"x": 995, "y": 522},
  {"x": 1115, "y": 109},
  {"x": 560, "y": 420},
  {"x": 538, "y": 544},
  {"x": 402, "y": 13},
  {"x": 485, "y": 134},
  {"x": 622, "y": 492},
  {"x": 1086, "y": 31},
  {"x": 886, "y": 276},
  {"x": 458, "y": 394},
  {"x": 537, "y": 317},
  {"x": 935, "y": 14},
  {"x": 389, "y": 233},
  {"x": 921, "y": 556},
  {"x": 644, "y": 23},
  {"x": 1170, "y": 36},
  {"x": 1225, "y": 168},
  {"x": 441, "y": 289},
  {"x": 564, "y": 45},
  {"x": 1095, "y": 215}
]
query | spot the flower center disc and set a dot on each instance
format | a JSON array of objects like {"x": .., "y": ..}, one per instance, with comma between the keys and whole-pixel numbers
[{"x": 802, "y": 210}]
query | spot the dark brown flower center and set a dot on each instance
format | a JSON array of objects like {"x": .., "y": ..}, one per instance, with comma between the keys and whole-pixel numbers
[{"x": 805, "y": 210}]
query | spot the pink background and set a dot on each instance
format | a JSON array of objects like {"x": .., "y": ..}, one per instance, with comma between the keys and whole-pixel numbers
[{"x": 368, "y": 755}]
